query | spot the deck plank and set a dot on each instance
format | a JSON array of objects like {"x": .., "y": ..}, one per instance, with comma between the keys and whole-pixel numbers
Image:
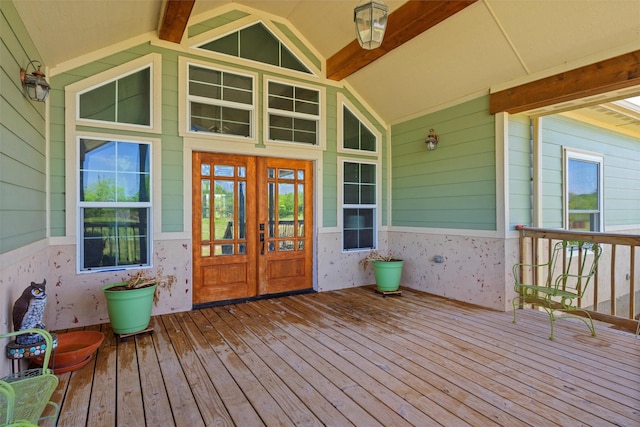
[
  {"x": 455, "y": 356},
  {"x": 183, "y": 405},
  {"x": 209, "y": 403},
  {"x": 258, "y": 396},
  {"x": 157, "y": 410},
  {"x": 78, "y": 394},
  {"x": 353, "y": 357},
  {"x": 288, "y": 402},
  {"x": 445, "y": 394},
  {"x": 129, "y": 403},
  {"x": 277, "y": 341},
  {"x": 240, "y": 410},
  {"x": 386, "y": 406},
  {"x": 322, "y": 408},
  {"x": 102, "y": 408}
]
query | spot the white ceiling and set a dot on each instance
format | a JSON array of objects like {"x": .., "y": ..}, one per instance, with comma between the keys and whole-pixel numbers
[{"x": 490, "y": 44}]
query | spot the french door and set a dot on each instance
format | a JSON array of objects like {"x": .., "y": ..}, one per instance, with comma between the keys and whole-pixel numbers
[{"x": 252, "y": 226}]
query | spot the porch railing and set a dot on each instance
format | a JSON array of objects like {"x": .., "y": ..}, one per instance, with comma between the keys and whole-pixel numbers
[{"x": 615, "y": 295}]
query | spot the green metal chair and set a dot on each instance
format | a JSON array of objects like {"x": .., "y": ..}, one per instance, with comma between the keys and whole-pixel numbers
[
  {"x": 24, "y": 395},
  {"x": 566, "y": 277}
]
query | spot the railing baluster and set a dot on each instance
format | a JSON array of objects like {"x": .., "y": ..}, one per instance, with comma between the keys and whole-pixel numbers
[
  {"x": 613, "y": 280},
  {"x": 632, "y": 283}
]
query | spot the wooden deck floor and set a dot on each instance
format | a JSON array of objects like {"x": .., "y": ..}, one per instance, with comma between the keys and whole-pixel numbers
[{"x": 352, "y": 357}]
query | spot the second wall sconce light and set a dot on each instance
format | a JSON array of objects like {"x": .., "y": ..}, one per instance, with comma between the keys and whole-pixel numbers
[
  {"x": 432, "y": 140},
  {"x": 34, "y": 84}
]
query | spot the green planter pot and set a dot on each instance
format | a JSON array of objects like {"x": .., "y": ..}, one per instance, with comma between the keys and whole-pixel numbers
[
  {"x": 129, "y": 310},
  {"x": 388, "y": 274}
]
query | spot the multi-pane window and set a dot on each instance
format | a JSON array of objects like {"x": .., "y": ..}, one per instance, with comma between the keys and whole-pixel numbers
[
  {"x": 220, "y": 102},
  {"x": 293, "y": 113},
  {"x": 358, "y": 205},
  {"x": 583, "y": 199},
  {"x": 355, "y": 135},
  {"x": 126, "y": 100},
  {"x": 256, "y": 43},
  {"x": 114, "y": 189}
]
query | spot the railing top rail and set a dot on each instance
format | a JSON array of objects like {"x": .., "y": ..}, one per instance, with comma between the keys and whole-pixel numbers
[{"x": 586, "y": 236}]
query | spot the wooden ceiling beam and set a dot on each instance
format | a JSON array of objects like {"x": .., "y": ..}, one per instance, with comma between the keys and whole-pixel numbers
[
  {"x": 175, "y": 18},
  {"x": 409, "y": 20},
  {"x": 605, "y": 76}
]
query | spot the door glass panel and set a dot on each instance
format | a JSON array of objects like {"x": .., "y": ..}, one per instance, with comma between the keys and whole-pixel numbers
[
  {"x": 205, "y": 169},
  {"x": 301, "y": 175},
  {"x": 286, "y": 173},
  {"x": 242, "y": 172},
  {"x": 242, "y": 248},
  {"x": 223, "y": 205},
  {"x": 242, "y": 210},
  {"x": 271, "y": 209},
  {"x": 205, "y": 250},
  {"x": 271, "y": 173},
  {"x": 300, "y": 210},
  {"x": 285, "y": 210},
  {"x": 301, "y": 245},
  {"x": 221, "y": 170},
  {"x": 206, "y": 210},
  {"x": 285, "y": 245},
  {"x": 223, "y": 249},
  {"x": 272, "y": 246}
]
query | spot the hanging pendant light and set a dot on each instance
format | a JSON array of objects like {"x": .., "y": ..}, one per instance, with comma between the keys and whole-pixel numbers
[{"x": 370, "y": 17}]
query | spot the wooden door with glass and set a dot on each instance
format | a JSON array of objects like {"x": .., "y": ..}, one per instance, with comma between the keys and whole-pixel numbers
[{"x": 252, "y": 226}]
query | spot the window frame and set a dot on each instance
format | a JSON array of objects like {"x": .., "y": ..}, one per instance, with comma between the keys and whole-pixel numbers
[
  {"x": 201, "y": 42},
  {"x": 342, "y": 206},
  {"x": 152, "y": 61},
  {"x": 308, "y": 59},
  {"x": 185, "y": 129},
  {"x": 81, "y": 205},
  {"x": 342, "y": 104},
  {"x": 573, "y": 154},
  {"x": 319, "y": 119}
]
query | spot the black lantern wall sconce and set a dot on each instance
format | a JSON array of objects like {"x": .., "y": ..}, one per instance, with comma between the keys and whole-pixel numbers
[
  {"x": 432, "y": 140},
  {"x": 34, "y": 84}
]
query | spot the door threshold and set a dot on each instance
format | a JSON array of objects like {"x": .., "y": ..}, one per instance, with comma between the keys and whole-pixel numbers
[{"x": 248, "y": 299}]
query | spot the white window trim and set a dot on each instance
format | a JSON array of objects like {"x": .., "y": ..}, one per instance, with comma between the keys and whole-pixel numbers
[
  {"x": 321, "y": 141},
  {"x": 72, "y": 173},
  {"x": 184, "y": 99},
  {"x": 342, "y": 206},
  {"x": 572, "y": 153},
  {"x": 222, "y": 103},
  {"x": 74, "y": 216},
  {"x": 342, "y": 103},
  {"x": 242, "y": 23},
  {"x": 73, "y": 92}
]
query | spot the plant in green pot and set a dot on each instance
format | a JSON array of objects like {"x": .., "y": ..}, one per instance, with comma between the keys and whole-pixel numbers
[
  {"x": 387, "y": 269},
  {"x": 129, "y": 303}
]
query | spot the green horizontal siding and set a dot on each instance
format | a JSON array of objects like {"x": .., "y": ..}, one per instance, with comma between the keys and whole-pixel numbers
[
  {"x": 621, "y": 169},
  {"x": 22, "y": 141},
  {"x": 520, "y": 169},
  {"x": 215, "y": 22},
  {"x": 299, "y": 44},
  {"x": 453, "y": 186}
]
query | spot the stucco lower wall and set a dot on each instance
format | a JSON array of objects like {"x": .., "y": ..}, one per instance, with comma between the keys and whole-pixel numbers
[
  {"x": 19, "y": 269},
  {"x": 338, "y": 270},
  {"x": 473, "y": 269},
  {"x": 77, "y": 299}
]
